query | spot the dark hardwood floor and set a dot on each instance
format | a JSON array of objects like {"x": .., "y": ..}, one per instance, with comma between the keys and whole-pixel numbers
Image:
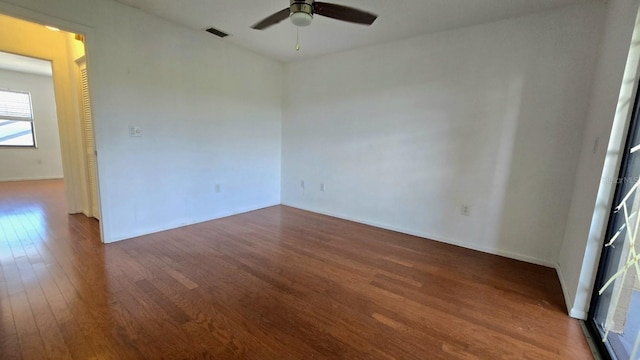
[{"x": 278, "y": 283}]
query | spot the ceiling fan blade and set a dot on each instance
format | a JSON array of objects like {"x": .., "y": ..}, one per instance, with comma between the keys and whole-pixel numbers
[
  {"x": 344, "y": 13},
  {"x": 273, "y": 19}
]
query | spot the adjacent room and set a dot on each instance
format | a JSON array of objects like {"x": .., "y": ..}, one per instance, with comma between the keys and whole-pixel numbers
[{"x": 279, "y": 179}]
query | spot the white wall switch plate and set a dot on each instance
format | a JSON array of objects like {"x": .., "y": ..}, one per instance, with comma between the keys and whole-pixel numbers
[{"x": 135, "y": 131}]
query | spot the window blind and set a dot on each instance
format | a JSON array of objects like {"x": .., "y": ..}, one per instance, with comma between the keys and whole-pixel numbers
[{"x": 15, "y": 106}]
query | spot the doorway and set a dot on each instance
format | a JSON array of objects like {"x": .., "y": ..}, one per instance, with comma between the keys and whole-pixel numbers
[
  {"x": 29, "y": 135},
  {"x": 614, "y": 315},
  {"x": 66, "y": 52}
]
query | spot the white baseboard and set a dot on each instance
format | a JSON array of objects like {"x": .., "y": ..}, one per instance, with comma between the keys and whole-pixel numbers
[
  {"x": 179, "y": 224},
  {"x": 33, "y": 178},
  {"x": 493, "y": 251},
  {"x": 569, "y": 301},
  {"x": 578, "y": 314}
]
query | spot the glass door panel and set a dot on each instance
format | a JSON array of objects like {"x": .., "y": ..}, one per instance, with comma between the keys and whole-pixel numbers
[{"x": 615, "y": 308}]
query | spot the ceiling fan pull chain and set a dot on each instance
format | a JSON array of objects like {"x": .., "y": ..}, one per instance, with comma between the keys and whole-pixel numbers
[{"x": 297, "y": 39}]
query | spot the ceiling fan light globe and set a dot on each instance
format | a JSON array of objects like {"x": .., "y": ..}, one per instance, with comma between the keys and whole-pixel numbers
[{"x": 301, "y": 18}]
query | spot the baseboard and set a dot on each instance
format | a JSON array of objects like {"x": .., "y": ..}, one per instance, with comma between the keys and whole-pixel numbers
[
  {"x": 492, "y": 251},
  {"x": 569, "y": 301},
  {"x": 578, "y": 314},
  {"x": 180, "y": 224},
  {"x": 33, "y": 178}
]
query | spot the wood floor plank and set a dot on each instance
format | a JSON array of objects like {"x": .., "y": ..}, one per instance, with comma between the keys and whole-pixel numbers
[
  {"x": 278, "y": 283},
  {"x": 31, "y": 344},
  {"x": 9, "y": 344},
  {"x": 75, "y": 340},
  {"x": 54, "y": 345}
]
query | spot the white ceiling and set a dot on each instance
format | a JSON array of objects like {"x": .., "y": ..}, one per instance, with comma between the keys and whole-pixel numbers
[
  {"x": 24, "y": 64},
  {"x": 397, "y": 19}
]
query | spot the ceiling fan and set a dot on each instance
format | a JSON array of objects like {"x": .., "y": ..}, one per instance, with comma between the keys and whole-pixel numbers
[{"x": 301, "y": 14}]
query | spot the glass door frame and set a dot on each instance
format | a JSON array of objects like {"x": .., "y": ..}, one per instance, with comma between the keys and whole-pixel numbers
[{"x": 634, "y": 124}]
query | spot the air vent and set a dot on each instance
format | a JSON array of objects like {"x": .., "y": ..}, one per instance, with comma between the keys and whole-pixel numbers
[{"x": 216, "y": 32}]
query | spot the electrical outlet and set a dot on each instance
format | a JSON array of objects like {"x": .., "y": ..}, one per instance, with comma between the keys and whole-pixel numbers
[
  {"x": 218, "y": 188},
  {"x": 465, "y": 210},
  {"x": 302, "y": 184},
  {"x": 322, "y": 187}
]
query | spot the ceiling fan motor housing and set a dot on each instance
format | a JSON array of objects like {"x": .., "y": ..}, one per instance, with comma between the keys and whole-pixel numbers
[
  {"x": 305, "y": 6},
  {"x": 301, "y": 12}
]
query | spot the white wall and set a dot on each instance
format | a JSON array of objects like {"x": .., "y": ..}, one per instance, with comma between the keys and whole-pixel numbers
[
  {"x": 43, "y": 162},
  {"x": 210, "y": 114},
  {"x": 404, "y": 133},
  {"x": 591, "y": 200}
]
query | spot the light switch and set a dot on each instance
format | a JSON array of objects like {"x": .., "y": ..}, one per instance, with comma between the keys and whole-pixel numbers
[{"x": 135, "y": 131}]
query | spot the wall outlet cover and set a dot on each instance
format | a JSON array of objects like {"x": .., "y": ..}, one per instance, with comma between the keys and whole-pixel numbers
[{"x": 465, "y": 210}]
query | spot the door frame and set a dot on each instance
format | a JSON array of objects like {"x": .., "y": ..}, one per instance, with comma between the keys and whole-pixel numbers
[
  {"x": 75, "y": 168},
  {"x": 631, "y": 131}
]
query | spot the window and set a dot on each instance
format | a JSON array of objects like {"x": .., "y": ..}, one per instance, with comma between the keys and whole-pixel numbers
[{"x": 16, "y": 119}]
